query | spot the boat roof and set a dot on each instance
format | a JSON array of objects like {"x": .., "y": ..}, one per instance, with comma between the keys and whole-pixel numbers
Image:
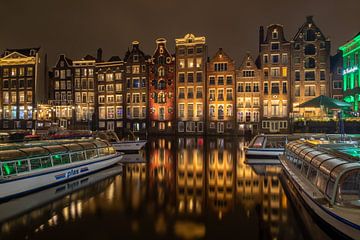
[
  {"x": 45, "y": 148},
  {"x": 328, "y": 160}
]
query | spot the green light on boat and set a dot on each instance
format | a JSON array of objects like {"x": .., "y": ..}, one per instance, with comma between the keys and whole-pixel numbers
[{"x": 7, "y": 169}]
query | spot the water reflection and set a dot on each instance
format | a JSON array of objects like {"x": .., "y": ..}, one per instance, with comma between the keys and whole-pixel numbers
[{"x": 186, "y": 188}]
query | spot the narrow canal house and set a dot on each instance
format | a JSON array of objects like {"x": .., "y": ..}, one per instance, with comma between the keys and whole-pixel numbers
[
  {"x": 191, "y": 54},
  {"x": 310, "y": 67},
  {"x": 336, "y": 72},
  {"x": 220, "y": 100},
  {"x": 351, "y": 72},
  {"x": 161, "y": 90},
  {"x": 85, "y": 99},
  {"x": 23, "y": 86},
  {"x": 110, "y": 98},
  {"x": 248, "y": 96},
  {"x": 62, "y": 92},
  {"x": 274, "y": 61},
  {"x": 136, "y": 88}
]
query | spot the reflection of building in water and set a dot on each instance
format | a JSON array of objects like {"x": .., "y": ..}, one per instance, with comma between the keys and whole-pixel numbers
[
  {"x": 161, "y": 168},
  {"x": 220, "y": 175},
  {"x": 260, "y": 187},
  {"x": 190, "y": 172},
  {"x": 135, "y": 181}
]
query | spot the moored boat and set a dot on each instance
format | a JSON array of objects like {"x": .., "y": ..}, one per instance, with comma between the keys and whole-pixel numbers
[
  {"x": 31, "y": 167},
  {"x": 122, "y": 146},
  {"x": 328, "y": 182}
]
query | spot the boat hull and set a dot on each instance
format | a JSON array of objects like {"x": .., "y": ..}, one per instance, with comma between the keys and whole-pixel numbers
[
  {"x": 263, "y": 156},
  {"x": 129, "y": 146},
  {"x": 21, "y": 185},
  {"x": 339, "y": 224}
]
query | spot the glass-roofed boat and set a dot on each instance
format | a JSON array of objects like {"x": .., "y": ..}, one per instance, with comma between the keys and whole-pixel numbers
[
  {"x": 25, "y": 168},
  {"x": 327, "y": 178}
]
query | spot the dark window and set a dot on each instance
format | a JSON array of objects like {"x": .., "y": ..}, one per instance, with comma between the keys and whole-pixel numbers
[
  {"x": 266, "y": 88},
  {"x": 212, "y": 80},
  {"x": 229, "y": 80},
  {"x": 220, "y": 80},
  {"x": 310, "y": 49},
  {"x": 190, "y": 77},
  {"x": 309, "y": 63},
  {"x": 284, "y": 85},
  {"x": 310, "y": 35},
  {"x": 297, "y": 75},
  {"x": 275, "y": 88},
  {"x": 309, "y": 75},
  {"x": 240, "y": 87},
  {"x": 322, "y": 75},
  {"x": 275, "y": 46},
  {"x": 5, "y": 84},
  {"x": 199, "y": 77},
  {"x": 181, "y": 77}
]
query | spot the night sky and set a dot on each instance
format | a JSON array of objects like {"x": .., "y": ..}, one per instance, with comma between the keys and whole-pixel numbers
[{"x": 79, "y": 27}]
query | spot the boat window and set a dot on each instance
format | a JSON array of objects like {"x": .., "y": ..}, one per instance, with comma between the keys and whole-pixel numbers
[
  {"x": 298, "y": 163},
  {"x": 45, "y": 162},
  {"x": 7, "y": 155},
  {"x": 79, "y": 156},
  {"x": 103, "y": 151},
  {"x": 330, "y": 188},
  {"x": 275, "y": 142},
  {"x": 321, "y": 182},
  {"x": 258, "y": 142},
  {"x": 8, "y": 168},
  {"x": 312, "y": 174},
  {"x": 349, "y": 189},
  {"x": 35, "y": 163},
  {"x": 22, "y": 166},
  {"x": 91, "y": 154},
  {"x": 57, "y": 159},
  {"x": 56, "y": 149},
  {"x": 87, "y": 145},
  {"x": 35, "y": 151},
  {"x": 305, "y": 169},
  {"x": 65, "y": 158},
  {"x": 112, "y": 150},
  {"x": 100, "y": 144}
]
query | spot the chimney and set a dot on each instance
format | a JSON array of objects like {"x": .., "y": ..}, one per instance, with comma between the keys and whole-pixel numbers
[
  {"x": 135, "y": 44},
  {"x": 309, "y": 19},
  {"x": 161, "y": 41},
  {"x": 261, "y": 37},
  {"x": 99, "y": 55}
]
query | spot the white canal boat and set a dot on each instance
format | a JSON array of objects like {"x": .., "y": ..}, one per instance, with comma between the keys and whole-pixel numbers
[
  {"x": 328, "y": 182},
  {"x": 30, "y": 167},
  {"x": 122, "y": 146}
]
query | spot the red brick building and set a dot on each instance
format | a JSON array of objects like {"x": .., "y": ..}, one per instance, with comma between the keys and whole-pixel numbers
[{"x": 162, "y": 90}]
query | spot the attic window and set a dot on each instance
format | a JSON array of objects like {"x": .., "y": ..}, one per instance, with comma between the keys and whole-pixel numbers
[
  {"x": 275, "y": 34},
  {"x": 135, "y": 58},
  {"x": 248, "y": 64},
  {"x": 310, "y": 35},
  {"x": 32, "y": 52}
]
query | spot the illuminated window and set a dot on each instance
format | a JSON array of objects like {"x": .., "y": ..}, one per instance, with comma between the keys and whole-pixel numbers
[
  {"x": 182, "y": 63},
  {"x": 13, "y": 72},
  {"x": 102, "y": 112},
  {"x": 135, "y": 69},
  {"x": 229, "y": 110},
  {"x": 322, "y": 90},
  {"x": 5, "y": 72},
  {"x": 181, "y": 110},
  {"x": 161, "y": 71},
  {"x": 220, "y": 94},
  {"x": 309, "y": 90},
  {"x": 21, "y": 71},
  {"x": 212, "y": 111},
  {"x": 198, "y": 62},
  {"x": 190, "y": 63},
  {"x": 256, "y": 87},
  {"x": 190, "y": 110},
  {"x": 275, "y": 72},
  {"x": 199, "y": 110},
  {"x": 109, "y": 77},
  {"x": 212, "y": 94},
  {"x": 284, "y": 58},
  {"x": 284, "y": 71},
  {"x": 229, "y": 94},
  {"x": 13, "y": 97}
]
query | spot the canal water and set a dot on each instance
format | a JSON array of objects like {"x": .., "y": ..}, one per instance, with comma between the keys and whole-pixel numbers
[{"x": 178, "y": 188}]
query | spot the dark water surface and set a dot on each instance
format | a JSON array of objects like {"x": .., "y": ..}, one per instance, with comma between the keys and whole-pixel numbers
[{"x": 186, "y": 188}]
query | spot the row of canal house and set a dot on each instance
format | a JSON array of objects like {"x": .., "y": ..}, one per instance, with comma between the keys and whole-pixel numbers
[{"x": 188, "y": 92}]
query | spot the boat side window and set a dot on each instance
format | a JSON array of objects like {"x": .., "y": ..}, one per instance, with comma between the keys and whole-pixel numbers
[
  {"x": 56, "y": 160},
  {"x": 258, "y": 142},
  {"x": 103, "y": 151},
  {"x": 275, "y": 142},
  {"x": 312, "y": 174},
  {"x": 8, "y": 168},
  {"x": 305, "y": 168},
  {"x": 91, "y": 154},
  {"x": 298, "y": 163},
  {"x": 74, "y": 157},
  {"x": 35, "y": 163},
  {"x": 321, "y": 182},
  {"x": 330, "y": 188},
  {"x": 348, "y": 192},
  {"x": 22, "y": 166},
  {"x": 65, "y": 158},
  {"x": 80, "y": 156},
  {"x": 112, "y": 150},
  {"x": 45, "y": 162}
]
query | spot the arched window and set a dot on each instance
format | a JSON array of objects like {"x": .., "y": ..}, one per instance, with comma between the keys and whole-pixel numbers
[
  {"x": 310, "y": 49},
  {"x": 161, "y": 71},
  {"x": 309, "y": 63},
  {"x": 310, "y": 35},
  {"x": 162, "y": 85},
  {"x": 221, "y": 112}
]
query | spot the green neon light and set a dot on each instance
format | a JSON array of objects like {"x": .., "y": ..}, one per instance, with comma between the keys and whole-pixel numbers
[
  {"x": 7, "y": 168},
  {"x": 349, "y": 99}
]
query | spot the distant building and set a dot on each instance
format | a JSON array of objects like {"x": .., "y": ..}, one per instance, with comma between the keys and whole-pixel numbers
[
  {"x": 136, "y": 88},
  {"x": 248, "y": 96},
  {"x": 310, "y": 66},
  {"x": 275, "y": 65},
  {"x": 161, "y": 90},
  {"x": 23, "y": 86},
  {"x": 191, "y": 55},
  {"x": 220, "y": 94},
  {"x": 63, "y": 94},
  {"x": 351, "y": 71},
  {"x": 84, "y": 73},
  {"x": 110, "y": 83},
  {"x": 336, "y": 72}
]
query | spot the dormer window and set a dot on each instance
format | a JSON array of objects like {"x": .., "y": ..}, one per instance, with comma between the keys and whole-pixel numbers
[
  {"x": 135, "y": 58},
  {"x": 32, "y": 52},
  {"x": 275, "y": 34},
  {"x": 275, "y": 46}
]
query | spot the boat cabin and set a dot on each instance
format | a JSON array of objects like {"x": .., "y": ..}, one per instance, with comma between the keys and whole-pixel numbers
[
  {"x": 337, "y": 178},
  {"x": 25, "y": 158}
]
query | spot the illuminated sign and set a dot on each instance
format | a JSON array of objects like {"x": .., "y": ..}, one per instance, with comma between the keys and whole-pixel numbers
[{"x": 350, "y": 70}]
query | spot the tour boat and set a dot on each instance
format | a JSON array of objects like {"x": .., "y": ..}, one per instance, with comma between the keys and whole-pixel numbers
[
  {"x": 29, "y": 167},
  {"x": 265, "y": 149},
  {"x": 24, "y": 204},
  {"x": 328, "y": 182},
  {"x": 122, "y": 146}
]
